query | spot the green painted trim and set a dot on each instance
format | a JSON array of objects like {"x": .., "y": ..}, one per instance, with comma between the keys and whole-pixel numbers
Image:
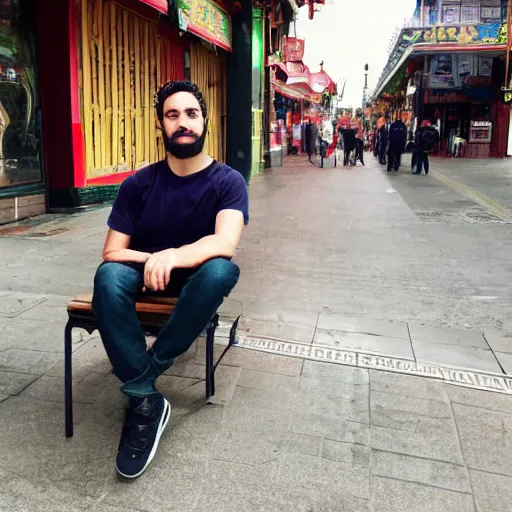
[
  {"x": 29, "y": 189},
  {"x": 75, "y": 197}
]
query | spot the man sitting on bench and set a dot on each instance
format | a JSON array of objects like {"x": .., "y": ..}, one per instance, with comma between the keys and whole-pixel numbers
[{"x": 174, "y": 227}]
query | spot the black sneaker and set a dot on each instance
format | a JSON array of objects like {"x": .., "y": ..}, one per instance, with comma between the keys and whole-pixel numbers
[{"x": 146, "y": 419}]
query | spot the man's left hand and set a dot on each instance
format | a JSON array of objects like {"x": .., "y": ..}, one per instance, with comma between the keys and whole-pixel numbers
[{"x": 157, "y": 270}]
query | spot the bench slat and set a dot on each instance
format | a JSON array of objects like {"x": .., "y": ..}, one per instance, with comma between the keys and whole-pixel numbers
[{"x": 145, "y": 305}]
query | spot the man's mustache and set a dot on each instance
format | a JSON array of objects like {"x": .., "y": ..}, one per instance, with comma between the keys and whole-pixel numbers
[{"x": 183, "y": 133}]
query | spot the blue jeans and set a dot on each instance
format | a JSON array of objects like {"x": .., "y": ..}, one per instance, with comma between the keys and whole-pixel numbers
[{"x": 117, "y": 286}]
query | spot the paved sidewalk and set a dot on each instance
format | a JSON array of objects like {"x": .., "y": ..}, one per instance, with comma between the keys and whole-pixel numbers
[{"x": 332, "y": 258}]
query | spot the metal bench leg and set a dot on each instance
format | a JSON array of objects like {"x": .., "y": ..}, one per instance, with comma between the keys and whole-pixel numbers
[
  {"x": 210, "y": 338},
  {"x": 68, "y": 379}
]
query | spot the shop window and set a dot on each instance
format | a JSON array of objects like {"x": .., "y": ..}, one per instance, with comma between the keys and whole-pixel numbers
[
  {"x": 470, "y": 14},
  {"x": 19, "y": 100},
  {"x": 491, "y": 12},
  {"x": 450, "y": 14},
  {"x": 466, "y": 11}
]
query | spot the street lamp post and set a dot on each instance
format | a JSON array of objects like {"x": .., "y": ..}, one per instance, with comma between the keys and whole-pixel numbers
[{"x": 365, "y": 90}]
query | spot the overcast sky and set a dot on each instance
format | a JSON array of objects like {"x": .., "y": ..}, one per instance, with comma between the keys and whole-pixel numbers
[{"x": 348, "y": 34}]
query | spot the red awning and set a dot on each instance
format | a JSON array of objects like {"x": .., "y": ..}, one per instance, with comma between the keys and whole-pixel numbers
[
  {"x": 159, "y": 5},
  {"x": 296, "y": 92}
]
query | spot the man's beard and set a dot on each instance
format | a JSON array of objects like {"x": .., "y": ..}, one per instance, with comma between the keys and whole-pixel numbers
[{"x": 184, "y": 151}]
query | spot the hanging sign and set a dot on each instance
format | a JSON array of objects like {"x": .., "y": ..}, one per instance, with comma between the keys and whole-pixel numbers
[
  {"x": 293, "y": 49},
  {"x": 159, "y": 5},
  {"x": 207, "y": 21}
]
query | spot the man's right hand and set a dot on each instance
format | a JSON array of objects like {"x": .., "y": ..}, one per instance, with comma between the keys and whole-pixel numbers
[{"x": 157, "y": 270}]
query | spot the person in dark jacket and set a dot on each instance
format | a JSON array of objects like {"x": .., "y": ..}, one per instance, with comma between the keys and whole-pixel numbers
[
  {"x": 311, "y": 137},
  {"x": 396, "y": 146},
  {"x": 427, "y": 137},
  {"x": 349, "y": 144},
  {"x": 359, "y": 150}
]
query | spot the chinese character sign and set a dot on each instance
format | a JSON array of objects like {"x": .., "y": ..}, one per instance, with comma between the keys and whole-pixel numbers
[
  {"x": 206, "y": 20},
  {"x": 293, "y": 49}
]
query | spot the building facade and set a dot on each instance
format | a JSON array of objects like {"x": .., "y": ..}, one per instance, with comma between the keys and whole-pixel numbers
[{"x": 448, "y": 67}]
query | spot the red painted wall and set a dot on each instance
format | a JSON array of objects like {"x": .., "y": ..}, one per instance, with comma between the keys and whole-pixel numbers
[{"x": 59, "y": 64}]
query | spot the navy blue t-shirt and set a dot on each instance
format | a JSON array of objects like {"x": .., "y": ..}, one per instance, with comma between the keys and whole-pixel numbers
[{"x": 161, "y": 210}]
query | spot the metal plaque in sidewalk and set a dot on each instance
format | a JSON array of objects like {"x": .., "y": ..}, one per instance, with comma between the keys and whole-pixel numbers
[
  {"x": 465, "y": 377},
  {"x": 207, "y": 21}
]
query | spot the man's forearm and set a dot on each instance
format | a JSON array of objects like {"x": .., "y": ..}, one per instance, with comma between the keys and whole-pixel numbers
[
  {"x": 126, "y": 256},
  {"x": 193, "y": 255}
]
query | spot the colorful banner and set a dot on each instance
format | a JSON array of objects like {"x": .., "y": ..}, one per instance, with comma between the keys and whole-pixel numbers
[
  {"x": 487, "y": 33},
  {"x": 159, "y": 5},
  {"x": 293, "y": 50},
  {"x": 207, "y": 21}
]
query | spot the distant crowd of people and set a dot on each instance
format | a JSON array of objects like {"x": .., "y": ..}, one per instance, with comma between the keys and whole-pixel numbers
[
  {"x": 388, "y": 141},
  {"x": 392, "y": 139}
]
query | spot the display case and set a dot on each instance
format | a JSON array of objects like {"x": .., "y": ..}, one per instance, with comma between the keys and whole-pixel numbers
[{"x": 480, "y": 132}]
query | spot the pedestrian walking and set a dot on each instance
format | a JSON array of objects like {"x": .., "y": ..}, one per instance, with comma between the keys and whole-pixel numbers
[
  {"x": 396, "y": 146},
  {"x": 311, "y": 138},
  {"x": 427, "y": 137},
  {"x": 173, "y": 230},
  {"x": 349, "y": 146}
]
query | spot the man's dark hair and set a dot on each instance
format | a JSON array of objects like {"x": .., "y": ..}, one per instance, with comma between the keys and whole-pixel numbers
[{"x": 172, "y": 87}]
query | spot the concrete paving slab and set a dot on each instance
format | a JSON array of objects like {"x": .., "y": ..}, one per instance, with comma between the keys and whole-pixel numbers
[
  {"x": 306, "y": 471},
  {"x": 396, "y": 347},
  {"x": 317, "y": 371},
  {"x": 479, "y": 399},
  {"x": 433, "y": 473},
  {"x": 256, "y": 420},
  {"x": 492, "y": 492},
  {"x": 279, "y": 330},
  {"x": 435, "y": 439},
  {"x": 403, "y": 413},
  {"x": 453, "y": 355},
  {"x": 267, "y": 311},
  {"x": 348, "y": 453},
  {"x": 505, "y": 360},
  {"x": 335, "y": 429},
  {"x": 248, "y": 448},
  {"x": 13, "y": 383},
  {"x": 12, "y": 303},
  {"x": 363, "y": 325},
  {"x": 280, "y": 399},
  {"x": 27, "y": 361},
  {"x": 500, "y": 341},
  {"x": 265, "y": 473},
  {"x": 486, "y": 437},
  {"x": 444, "y": 336},
  {"x": 352, "y": 406},
  {"x": 90, "y": 357},
  {"x": 258, "y": 361},
  {"x": 397, "y": 496},
  {"x": 407, "y": 385},
  {"x": 43, "y": 336},
  {"x": 267, "y": 381}
]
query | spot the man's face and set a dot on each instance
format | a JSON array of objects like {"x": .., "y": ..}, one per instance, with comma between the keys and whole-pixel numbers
[{"x": 183, "y": 125}]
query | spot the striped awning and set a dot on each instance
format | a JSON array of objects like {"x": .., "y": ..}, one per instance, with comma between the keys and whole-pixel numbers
[{"x": 159, "y": 5}]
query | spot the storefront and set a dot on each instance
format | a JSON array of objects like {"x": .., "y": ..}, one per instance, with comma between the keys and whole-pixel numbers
[
  {"x": 211, "y": 26},
  {"x": 463, "y": 99},
  {"x": 22, "y": 191}
]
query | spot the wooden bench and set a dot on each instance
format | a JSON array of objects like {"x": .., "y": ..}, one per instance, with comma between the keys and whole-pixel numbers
[{"x": 153, "y": 313}]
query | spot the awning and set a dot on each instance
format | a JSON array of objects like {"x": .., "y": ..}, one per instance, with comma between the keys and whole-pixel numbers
[
  {"x": 425, "y": 48},
  {"x": 296, "y": 92},
  {"x": 159, "y": 5}
]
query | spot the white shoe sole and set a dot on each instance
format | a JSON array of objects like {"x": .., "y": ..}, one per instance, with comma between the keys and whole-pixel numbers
[{"x": 161, "y": 427}]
